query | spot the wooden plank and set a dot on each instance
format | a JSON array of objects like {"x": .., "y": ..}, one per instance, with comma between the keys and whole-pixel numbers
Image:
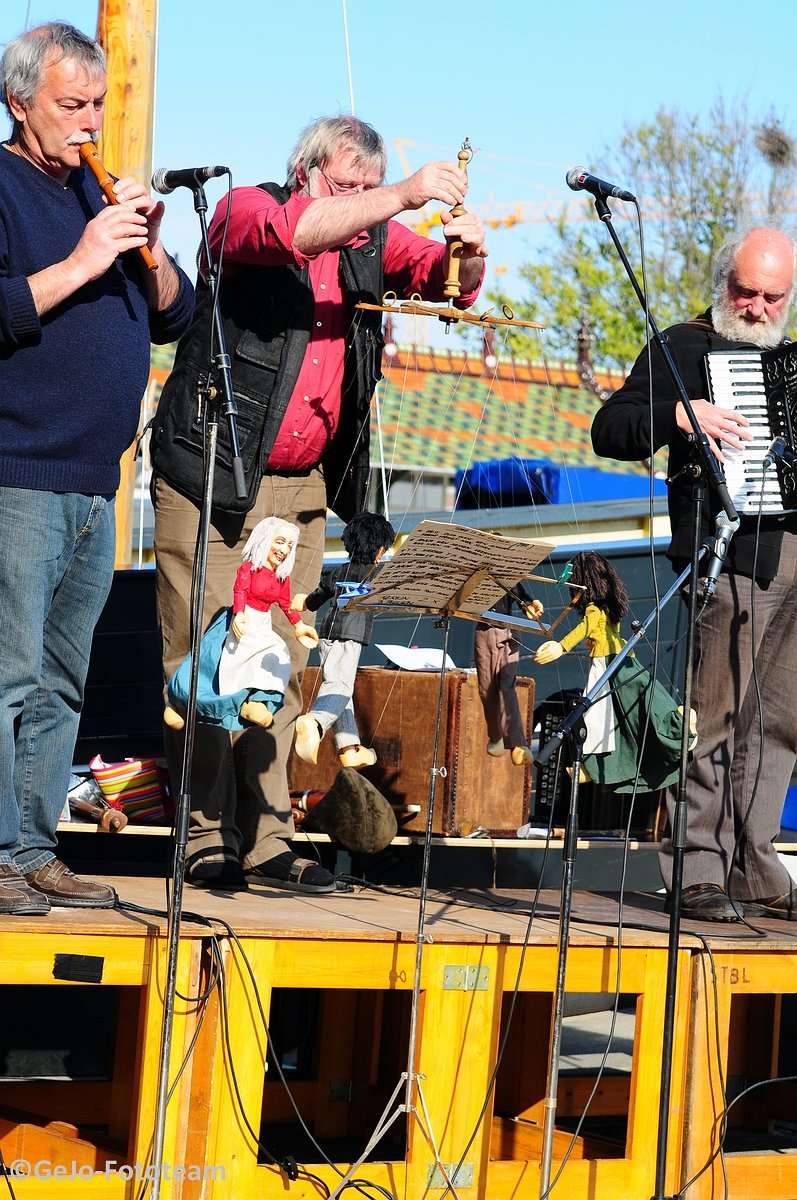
[
  {"x": 86, "y": 1101},
  {"x": 732, "y": 1040},
  {"x": 519, "y": 1139},
  {"x": 126, "y": 1062},
  {"x": 28, "y": 959},
  {"x": 127, "y": 30}
]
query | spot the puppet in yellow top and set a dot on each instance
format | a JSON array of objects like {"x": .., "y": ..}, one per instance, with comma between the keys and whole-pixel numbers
[{"x": 633, "y": 730}]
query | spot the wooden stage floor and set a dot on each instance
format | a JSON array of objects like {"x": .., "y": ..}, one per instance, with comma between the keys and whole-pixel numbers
[
  {"x": 329, "y": 980},
  {"x": 371, "y": 912}
]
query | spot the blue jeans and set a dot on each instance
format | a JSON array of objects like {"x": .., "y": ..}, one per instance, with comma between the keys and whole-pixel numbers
[{"x": 56, "y": 569}]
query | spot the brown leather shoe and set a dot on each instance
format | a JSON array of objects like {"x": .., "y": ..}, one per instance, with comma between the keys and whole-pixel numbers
[
  {"x": 17, "y": 898},
  {"x": 783, "y": 908},
  {"x": 707, "y": 902},
  {"x": 66, "y": 890}
]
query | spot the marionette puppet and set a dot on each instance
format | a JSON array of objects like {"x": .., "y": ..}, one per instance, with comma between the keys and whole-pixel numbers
[
  {"x": 635, "y": 706},
  {"x": 244, "y": 664},
  {"x": 342, "y": 634},
  {"x": 496, "y": 653}
]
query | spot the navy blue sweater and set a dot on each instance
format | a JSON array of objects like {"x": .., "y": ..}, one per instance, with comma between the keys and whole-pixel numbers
[{"x": 71, "y": 382}]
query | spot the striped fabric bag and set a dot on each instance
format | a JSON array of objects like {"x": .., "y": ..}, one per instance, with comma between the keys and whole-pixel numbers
[{"x": 136, "y": 787}]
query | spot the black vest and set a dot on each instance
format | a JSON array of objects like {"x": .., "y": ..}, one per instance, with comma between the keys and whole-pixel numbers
[{"x": 267, "y": 314}]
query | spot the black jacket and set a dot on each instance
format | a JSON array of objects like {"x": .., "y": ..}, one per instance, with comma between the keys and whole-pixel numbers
[
  {"x": 621, "y": 430},
  {"x": 267, "y": 314},
  {"x": 340, "y": 625}
]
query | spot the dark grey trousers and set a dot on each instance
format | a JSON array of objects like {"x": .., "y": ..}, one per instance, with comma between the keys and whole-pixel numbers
[{"x": 745, "y": 684}]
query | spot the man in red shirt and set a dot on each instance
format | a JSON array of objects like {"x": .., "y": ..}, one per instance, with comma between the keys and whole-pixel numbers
[{"x": 305, "y": 363}]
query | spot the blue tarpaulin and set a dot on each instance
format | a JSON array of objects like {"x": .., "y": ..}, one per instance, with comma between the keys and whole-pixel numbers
[
  {"x": 517, "y": 481},
  {"x": 507, "y": 481}
]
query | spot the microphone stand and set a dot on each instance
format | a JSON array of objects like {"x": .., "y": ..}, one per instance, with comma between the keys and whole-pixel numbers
[
  {"x": 727, "y": 522},
  {"x": 214, "y": 403},
  {"x": 712, "y": 474},
  {"x": 573, "y": 727}
]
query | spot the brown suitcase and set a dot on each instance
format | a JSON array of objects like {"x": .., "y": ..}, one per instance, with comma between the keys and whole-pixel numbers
[{"x": 397, "y": 713}]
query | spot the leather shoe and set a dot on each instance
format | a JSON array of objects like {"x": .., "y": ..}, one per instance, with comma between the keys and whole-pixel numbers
[
  {"x": 707, "y": 902},
  {"x": 783, "y": 908},
  {"x": 17, "y": 898},
  {"x": 64, "y": 889}
]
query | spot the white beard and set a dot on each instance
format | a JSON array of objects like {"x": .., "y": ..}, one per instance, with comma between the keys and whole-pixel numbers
[{"x": 729, "y": 323}]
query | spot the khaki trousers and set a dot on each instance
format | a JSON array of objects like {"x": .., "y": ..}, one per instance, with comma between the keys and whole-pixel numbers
[{"x": 239, "y": 800}]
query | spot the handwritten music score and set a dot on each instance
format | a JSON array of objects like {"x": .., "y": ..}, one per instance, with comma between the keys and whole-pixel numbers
[{"x": 451, "y": 568}]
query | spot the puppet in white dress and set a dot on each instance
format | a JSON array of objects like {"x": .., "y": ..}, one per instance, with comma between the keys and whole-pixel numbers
[{"x": 244, "y": 664}]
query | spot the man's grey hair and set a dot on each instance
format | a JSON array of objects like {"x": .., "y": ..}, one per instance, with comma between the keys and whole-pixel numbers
[
  {"x": 321, "y": 138},
  {"x": 26, "y": 56},
  {"x": 725, "y": 257}
]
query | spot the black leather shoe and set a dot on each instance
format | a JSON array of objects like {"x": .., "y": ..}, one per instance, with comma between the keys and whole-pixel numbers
[
  {"x": 707, "y": 902},
  {"x": 783, "y": 908}
]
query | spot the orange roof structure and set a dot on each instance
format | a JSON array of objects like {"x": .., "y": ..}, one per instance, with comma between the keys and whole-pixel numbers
[{"x": 443, "y": 409}]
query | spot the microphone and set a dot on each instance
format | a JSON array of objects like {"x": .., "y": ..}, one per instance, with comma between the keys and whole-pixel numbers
[
  {"x": 779, "y": 450},
  {"x": 725, "y": 529},
  {"x": 164, "y": 181},
  {"x": 580, "y": 180}
]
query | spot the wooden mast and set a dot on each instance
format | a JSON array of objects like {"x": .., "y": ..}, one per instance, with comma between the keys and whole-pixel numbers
[{"x": 127, "y": 31}]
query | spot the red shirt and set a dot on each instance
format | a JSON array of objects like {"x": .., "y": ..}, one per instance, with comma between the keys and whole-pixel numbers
[
  {"x": 261, "y": 233},
  {"x": 259, "y": 588}
]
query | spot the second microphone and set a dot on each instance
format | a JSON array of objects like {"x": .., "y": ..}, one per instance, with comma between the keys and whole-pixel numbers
[{"x": 165, "y": 181}]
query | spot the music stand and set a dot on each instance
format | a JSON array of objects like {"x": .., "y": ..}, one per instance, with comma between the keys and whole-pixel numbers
[{"x": 444, "y": 571}]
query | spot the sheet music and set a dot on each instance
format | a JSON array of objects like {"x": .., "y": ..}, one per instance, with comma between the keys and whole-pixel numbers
[{"x": 437, "y": 560}]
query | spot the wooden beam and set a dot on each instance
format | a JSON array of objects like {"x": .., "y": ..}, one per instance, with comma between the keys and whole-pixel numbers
[{"x": 127, "y": 31}]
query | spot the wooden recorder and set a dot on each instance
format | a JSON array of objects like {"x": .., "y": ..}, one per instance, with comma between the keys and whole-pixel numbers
[{"x": 91, "y": 158}]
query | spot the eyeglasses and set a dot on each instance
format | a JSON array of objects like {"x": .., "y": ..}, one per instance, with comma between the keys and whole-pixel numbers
[{"x": 341, "y": 189}]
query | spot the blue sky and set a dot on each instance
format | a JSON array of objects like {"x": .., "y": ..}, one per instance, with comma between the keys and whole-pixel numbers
[{"x": 537, "y": 87}]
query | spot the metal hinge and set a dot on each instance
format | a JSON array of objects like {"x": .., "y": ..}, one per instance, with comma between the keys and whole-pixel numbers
[
  {"x": 460, "y": 1176},
  {"x": 465, "y": 979}
]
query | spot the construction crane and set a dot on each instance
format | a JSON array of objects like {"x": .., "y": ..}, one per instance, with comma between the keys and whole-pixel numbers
[
  {"x": 504, "y": 216},
  {"x": 496, "y": 215}
]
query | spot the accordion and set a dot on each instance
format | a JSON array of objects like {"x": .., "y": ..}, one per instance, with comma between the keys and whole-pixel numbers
[{"x": 762, "y": 385}]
